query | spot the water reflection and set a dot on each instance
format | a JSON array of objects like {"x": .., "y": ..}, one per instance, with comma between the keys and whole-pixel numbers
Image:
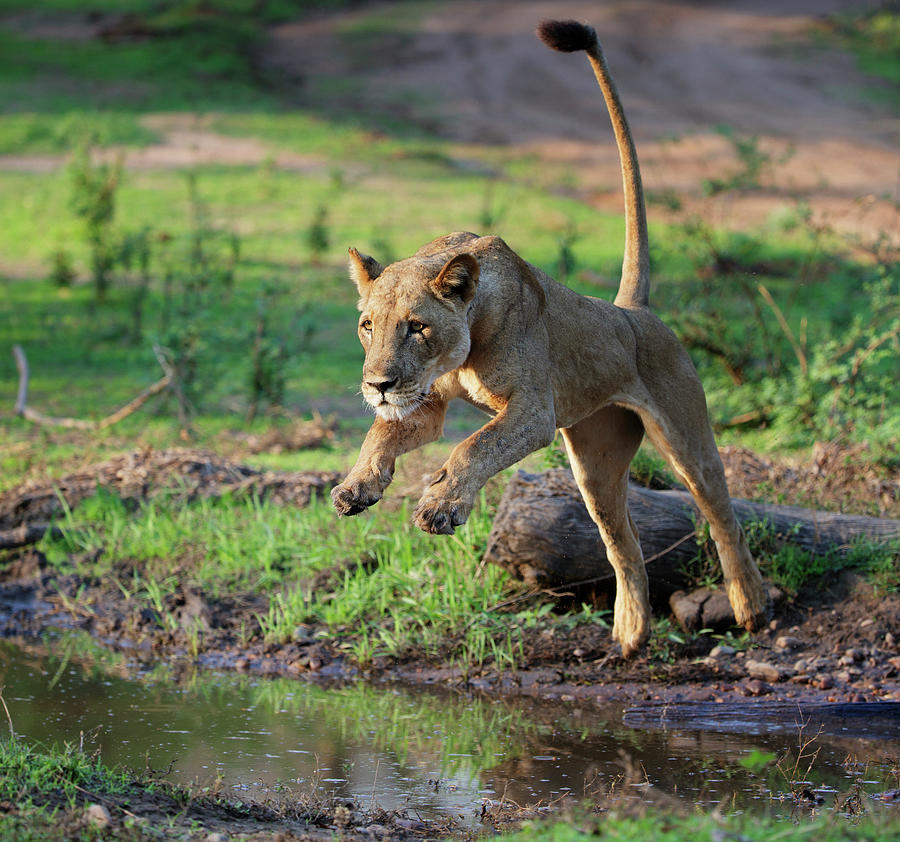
[{"x": 437, "y": 753}]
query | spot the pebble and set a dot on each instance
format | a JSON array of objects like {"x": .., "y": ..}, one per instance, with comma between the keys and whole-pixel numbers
[
  {"x": 215, "y": 836},
  {"x": 301, "y": 633},
  {"x": 855, "y": 654},
  {"x": 722, "y": 651},
  {"x": 98, "y": 815},
  {"x": 763, "y": 671},
  {"x": 889, "y": 639},
  {"x": 786, "y": 641},
  {"x": 755, "y": 687},
  {"x": 823, "y": 681}
]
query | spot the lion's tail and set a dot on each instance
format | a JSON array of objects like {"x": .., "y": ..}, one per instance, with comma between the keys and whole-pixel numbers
[{"x": 570, "y": 37}]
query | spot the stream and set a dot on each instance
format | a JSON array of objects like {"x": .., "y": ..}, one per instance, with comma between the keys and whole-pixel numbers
[{"x": 436, "y": 753}]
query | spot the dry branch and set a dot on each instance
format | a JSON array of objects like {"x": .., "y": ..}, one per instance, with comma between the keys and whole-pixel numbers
[{"x": 36, "y": 417}]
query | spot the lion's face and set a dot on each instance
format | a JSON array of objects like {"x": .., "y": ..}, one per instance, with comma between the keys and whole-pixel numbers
[{"x": 413, "y": 326}]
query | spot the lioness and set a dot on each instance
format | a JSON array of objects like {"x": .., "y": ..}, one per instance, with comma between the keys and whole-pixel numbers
[{"x": 466, "y": 317}]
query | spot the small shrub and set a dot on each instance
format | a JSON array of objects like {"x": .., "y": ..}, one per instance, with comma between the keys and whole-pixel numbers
[
  {"x": 93, "y": 199},
  {"x": 62, "y": 274}
]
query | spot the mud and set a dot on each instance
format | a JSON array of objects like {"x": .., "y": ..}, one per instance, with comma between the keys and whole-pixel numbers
[
  {"x": 838, "y": 641},
  {"x": 839, "y": 644}
]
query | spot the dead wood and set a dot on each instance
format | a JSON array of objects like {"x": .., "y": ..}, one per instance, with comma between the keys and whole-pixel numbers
[
  {"x": 37, "y": 417},
  {"x": 543, "y": 534},
  {"x": 25, "y": 534}
]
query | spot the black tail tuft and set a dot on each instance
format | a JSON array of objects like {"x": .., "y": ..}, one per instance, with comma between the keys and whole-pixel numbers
[{"x": 567, "y": 36}]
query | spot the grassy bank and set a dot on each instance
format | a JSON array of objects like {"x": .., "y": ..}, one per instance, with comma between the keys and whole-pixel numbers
[{"x": 67, "y": 792}]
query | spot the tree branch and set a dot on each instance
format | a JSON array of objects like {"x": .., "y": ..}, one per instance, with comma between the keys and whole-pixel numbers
[{"x": 37, "y": 417}]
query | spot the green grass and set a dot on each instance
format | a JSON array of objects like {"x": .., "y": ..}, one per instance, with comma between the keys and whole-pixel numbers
[
  {"x": 394, "y": 587},
  {"x": 665, "y": 827},
  {"x": 27, "y": 771}
]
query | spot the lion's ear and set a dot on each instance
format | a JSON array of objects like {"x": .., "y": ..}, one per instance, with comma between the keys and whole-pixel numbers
[
  {"x": 458, "y": 278},
  {"x": 363, "y": 270}
]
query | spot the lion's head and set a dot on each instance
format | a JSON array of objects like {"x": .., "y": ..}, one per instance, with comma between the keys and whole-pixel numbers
[{"x": 413, "y": 325}]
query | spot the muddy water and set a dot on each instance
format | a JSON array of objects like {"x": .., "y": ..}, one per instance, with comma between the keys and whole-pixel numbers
[{"x": 437, "y": 753}]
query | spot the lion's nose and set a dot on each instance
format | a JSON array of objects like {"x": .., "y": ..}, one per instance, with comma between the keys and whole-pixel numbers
[{"x": 381, "y": 385}]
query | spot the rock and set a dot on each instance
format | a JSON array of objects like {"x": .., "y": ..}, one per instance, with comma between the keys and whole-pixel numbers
[
  {"x": 98, "y": 815},
  {"x": 855, "y": 654},
  {"x": 722, "y": 651},
  {"x": 755, "y": 687},
  {"x": 786, "y": 641},
  {"x": 702, "y": 609},
  {"x": 889, "y": 640},
  {"x": 823, "y": 681},
  {"x": 763, "y": 671},
  {"x": 215, "y": 836},
  {"x": 706, "y": 608}
]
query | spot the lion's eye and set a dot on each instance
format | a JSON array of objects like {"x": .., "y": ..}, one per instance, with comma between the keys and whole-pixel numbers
[
  {"x": 366, "y": 325},
  {"x": 416, "y": 327}
]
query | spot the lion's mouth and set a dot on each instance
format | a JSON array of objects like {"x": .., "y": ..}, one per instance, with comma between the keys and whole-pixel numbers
[{"x": 394, "y": 407}]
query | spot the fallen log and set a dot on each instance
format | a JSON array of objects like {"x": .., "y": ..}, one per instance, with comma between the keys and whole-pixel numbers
[{"x": 543, "y": 535}]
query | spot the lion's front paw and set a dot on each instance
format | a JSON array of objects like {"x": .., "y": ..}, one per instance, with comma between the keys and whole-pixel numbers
[
  {"x": 351, "y": 498},
  {"x": 440, "y": 515}
]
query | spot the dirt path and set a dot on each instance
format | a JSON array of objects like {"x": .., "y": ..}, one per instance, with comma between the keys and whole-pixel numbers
[{"x": 473, "y": 72}]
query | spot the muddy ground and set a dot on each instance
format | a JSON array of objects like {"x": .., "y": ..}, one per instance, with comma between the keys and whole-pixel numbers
[{"x": 836, "y": 641}]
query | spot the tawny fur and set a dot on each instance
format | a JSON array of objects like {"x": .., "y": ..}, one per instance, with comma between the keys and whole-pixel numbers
[{"x": 466, "y": 317}]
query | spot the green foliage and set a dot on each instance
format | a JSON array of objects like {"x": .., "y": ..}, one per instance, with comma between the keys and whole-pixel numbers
[
  {"x": 34, "y": 133},
  {"x": 318, "y": 238},
  {"x": 753, "y": 164},
  {"x": 28, "y": 772},
  {"x": 874, "y": 36},
  {"x": 621, "y": 825},
  {"x": 792, "y": 567},
  {"x": 62, "y": 274},
  {"x": 93, "y": 200},
  {"x": 789, "y": 349}
]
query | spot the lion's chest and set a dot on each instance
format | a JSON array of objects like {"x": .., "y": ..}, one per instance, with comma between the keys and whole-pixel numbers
[{"x": 477, "y": 393}]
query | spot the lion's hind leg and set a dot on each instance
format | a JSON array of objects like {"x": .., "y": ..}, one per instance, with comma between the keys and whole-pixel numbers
[
  {"x": 680, "y": 430},
  {"x": 600, "y": 449}
]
